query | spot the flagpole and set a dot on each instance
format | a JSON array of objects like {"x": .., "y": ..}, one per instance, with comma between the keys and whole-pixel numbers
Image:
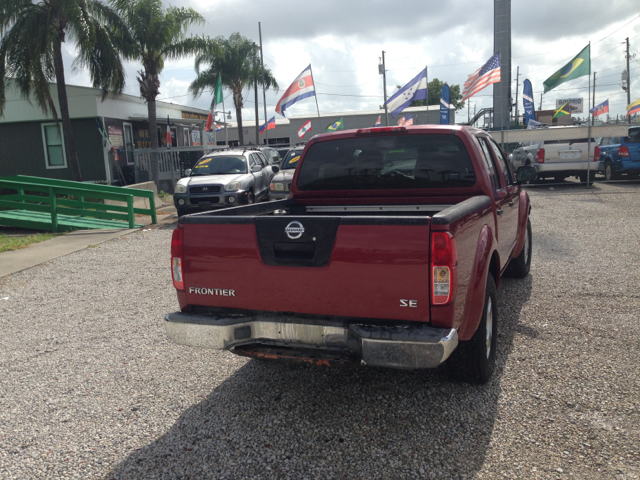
[
  {"x": 589, "y": 123},
  {"x": 264, "y": 93},
  {"x": 426, "y": 73},
  {"x": 226, "y": 131},
  {"x": 315, "y": 91}
]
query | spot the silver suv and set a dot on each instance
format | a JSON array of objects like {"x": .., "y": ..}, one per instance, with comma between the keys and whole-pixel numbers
[{"x": 224, "y": 179}]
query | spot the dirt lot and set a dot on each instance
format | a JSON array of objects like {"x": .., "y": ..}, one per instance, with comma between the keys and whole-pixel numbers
[{"x": 91, "y": 388}]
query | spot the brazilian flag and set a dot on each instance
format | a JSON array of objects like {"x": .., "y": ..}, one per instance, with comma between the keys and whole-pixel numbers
[
  {"x": 337, "y": 125},
  {"x": 579, "y": 66},
  {"x": 563, "y": 110}
]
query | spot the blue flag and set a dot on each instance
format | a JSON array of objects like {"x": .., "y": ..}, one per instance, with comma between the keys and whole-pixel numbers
[
  {"x": 444, "y": 105},
  {"x": 416, "y": 89},
  {"x": 527, "y": 100}
]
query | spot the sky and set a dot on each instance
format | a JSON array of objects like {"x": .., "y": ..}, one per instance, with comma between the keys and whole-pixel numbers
[{"x": 343, "y": 41}]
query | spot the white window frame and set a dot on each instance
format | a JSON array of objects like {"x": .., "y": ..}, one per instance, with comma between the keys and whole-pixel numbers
[{"x": 46, "y": 150}]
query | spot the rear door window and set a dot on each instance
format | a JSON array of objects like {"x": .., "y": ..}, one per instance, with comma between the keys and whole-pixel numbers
[
  {"x": 508, "y": 177},
  {"x": 383, "y": 162},
  {"x": 489, "y": 163}
]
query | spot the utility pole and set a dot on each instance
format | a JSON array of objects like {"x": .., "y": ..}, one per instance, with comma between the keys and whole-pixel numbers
[
  {"x": 468, "y": 111},
  {"x": 628, "y": 76},
  {"x": 517, "y": 88},
  {"x": 540, "y": 107},
  {"x": 593, "y": 119},
  {"x": 382, "y": 69},
  {"x": 264, "y": 94}
]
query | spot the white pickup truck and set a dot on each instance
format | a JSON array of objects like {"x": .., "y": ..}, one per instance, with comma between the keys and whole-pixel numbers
[{"x": 558, "y": 159}]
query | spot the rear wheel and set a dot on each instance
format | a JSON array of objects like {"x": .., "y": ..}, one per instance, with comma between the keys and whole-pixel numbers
[
  {"x": 519, "y": 267},
  {"x": 608, "y": 171},
  {"x": 474, "y": 360}
]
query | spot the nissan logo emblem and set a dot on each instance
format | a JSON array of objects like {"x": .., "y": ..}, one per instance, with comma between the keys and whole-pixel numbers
[
  {"x": 205, "y": 189},
  {"x": 294, "y": 230}
]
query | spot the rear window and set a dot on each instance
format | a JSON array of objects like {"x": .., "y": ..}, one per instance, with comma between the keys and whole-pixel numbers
[{"x": 387, "y": 162}]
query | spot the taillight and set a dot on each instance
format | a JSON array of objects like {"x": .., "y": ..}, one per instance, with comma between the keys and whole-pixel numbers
[
  {"x": 623, "y": 151},
  {"x": 596, "y": 154},
  {"x": 540, "y": 157},
  {"x": 176, "y": 258},
  {"x": 377, "y": 130},
  {"x": 444, "y": 258}
]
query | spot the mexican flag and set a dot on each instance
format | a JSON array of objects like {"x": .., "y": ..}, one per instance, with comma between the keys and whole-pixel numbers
[{"x": 217, "y": 98}]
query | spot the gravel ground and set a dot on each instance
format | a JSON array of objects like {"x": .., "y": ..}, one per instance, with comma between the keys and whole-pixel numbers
[{"x": 91, "y": 388}]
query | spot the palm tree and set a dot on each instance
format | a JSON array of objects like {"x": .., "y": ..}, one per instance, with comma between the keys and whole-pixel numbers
[
  {"x": 31, "y": 53},
  {"x": 235, "y": 60},
  {"x": 157, "y": 34}
]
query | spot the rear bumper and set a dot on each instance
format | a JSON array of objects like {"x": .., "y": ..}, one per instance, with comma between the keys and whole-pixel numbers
[{"x": 397, "y": 346}]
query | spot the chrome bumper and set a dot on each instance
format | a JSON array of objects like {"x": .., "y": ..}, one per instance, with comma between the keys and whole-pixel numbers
[{"x": 413, "y": 346}]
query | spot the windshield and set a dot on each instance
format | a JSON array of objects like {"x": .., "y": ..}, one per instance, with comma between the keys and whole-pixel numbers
[
  {"x": 387, "y": 162},
  {"x": 290, "y": 161},
  {"x": 220, "y": 165}
]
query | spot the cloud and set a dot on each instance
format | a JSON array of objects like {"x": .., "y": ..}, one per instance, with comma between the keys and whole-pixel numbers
[{"x": 343, "y": 41}]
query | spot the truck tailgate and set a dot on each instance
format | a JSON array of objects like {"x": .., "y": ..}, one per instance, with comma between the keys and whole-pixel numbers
[{"x": 369, "y": 267}]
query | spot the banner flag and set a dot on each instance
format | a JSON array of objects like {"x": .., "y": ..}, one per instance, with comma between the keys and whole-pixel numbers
[
  {"x": 486, "y": 75},
  {"x": 337, "y": 125},
  {"x": 270, "y": 125},
  {"x": 301, "y": 88},
  {"x": 565, "y": 109},
  {"x": 378, "y": 122},
  {"x": 416, "y": 89},
  {"x": 579, "y": 66},
  {"x": 304, "y": 129},
  {"x": 217, "y": 98},
  {"x": 406, "y": 121},
  {"x": 633, "y": 108},
  {"x": 527, "y": 101},
  {"x": 600, "y": 108},
  {"x": 444, "y": 105}
]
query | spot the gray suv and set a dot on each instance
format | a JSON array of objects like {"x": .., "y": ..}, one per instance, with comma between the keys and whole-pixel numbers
[{"x": 224, "y": 179}]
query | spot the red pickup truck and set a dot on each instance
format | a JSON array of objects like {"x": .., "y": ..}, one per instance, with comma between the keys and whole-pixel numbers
[{"x": 388, "y": 253}]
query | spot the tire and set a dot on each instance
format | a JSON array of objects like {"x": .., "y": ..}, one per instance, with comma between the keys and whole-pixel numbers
[
  {"x": 250, "y": 198},
  {"x": 519, "y": 267},
  {"x": 583, "y": 178},
  {"x": 474, "y": 361},
  {"x": 608, "y": 171}
]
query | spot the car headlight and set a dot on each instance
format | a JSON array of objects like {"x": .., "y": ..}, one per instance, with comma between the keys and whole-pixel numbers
[
  {"x": 180, "y": 188},
  {"x": 232, "y": 187},
  {"x": 279, "y": 187}
]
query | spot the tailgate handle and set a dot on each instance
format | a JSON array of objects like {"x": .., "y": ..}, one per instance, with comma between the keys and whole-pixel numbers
[
  {"x": 512, "y": 203},
  {"x": 294, "y": 250},
  {"x": 500, "y": 211}
]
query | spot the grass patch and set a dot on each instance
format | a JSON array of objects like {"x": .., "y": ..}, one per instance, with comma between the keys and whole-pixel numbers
[
  {"x": 8, "y": 243},
  {"x": 164, "y": 196}
]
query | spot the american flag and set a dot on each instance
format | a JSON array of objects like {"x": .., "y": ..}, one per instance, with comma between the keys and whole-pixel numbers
[
  {"x": 486, "y": 75},
  {"x": 406, "y": 120}
]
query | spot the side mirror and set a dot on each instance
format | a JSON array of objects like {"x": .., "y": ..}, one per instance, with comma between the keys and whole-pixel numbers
[
  {"x": 275, "y": 168},
  {"x": 526, "y": 173},
  {"x": 187, "y": 172},
  {"x": 256, "y": 169}
]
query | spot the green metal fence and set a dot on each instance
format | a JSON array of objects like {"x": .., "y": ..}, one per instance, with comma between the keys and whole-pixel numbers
[{"x": 45, "y": 204}]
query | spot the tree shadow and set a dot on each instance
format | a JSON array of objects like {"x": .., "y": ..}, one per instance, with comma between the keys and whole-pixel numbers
[{"x": 280, "y": 420}]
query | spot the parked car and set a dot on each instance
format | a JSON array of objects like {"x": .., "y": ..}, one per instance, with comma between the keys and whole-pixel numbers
[
  {"x": 558, "y": 159},
  {"x": 620, "y": 155},
  {"x": 395, "y": 238},
  {"x": 271, "y": 154},
  {"x": 281, "y": 184},
  {"x": 283, "y": 151},
  {"x": 224, "y": 179}
]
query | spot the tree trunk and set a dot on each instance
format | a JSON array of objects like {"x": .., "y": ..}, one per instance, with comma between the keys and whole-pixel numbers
[
  {"x": 153, "y": 134},
  {"x": 257, "y": 117},
  {"x": 237, "y": 101},
  {"x": 69, "y": 139}
]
